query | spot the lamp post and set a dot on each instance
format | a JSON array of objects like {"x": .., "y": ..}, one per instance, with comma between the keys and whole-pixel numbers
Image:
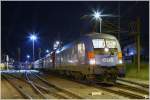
[
  {"x": 97, "y": 15},
  {"x": 33, "y": 37}
]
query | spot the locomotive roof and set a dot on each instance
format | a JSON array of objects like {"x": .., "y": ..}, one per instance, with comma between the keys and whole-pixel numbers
[
  {"x": 100, "y": 35},
  {"x": 93, "y": 35}
]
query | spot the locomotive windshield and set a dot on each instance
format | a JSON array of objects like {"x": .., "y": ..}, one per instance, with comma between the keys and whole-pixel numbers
[
  {"x": 111, "y": 43},
  {"x": 102, "y": 43},
  {"x": 98, "y": 43}
]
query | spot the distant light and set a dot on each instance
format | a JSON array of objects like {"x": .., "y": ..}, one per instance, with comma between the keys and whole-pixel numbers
[
  {"x": 58, "y": 51},
  {"x": 57, "y": 42},
  {"x": 106, "y": 49},
  {"x": 131, "y": 53},
  {"x": 50, "y": 60},
  {"x": 47, "y": 51},
  {"x": 120, "y": 61},
  {"x": 28, "y": 56},
  {"x": 33, "y": 37}
]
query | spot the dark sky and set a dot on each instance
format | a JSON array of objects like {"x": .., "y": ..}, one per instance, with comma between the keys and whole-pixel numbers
[{"x": 53, "y": 20}]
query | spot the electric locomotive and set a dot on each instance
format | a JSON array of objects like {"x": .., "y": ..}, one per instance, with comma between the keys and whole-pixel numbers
[{"x": 95, "y": 56}]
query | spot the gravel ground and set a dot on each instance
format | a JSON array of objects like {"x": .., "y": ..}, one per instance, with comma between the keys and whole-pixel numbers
[{"x": 8, "y": 91}]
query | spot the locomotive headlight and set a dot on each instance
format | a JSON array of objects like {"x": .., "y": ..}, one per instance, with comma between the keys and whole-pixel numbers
[
  {"x": 106, "y": 49},
  {"x": 92, "y": 61},
  {"x": 120, "y": 61}
]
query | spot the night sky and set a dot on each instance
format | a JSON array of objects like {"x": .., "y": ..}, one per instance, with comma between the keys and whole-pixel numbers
[{"x": 62, "y": 20}]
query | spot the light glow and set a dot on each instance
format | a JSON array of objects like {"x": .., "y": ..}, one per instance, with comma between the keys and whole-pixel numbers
[
  {"x": 47, "y": 51},
  {"x": 131, "y": 53},
  {"x": 92, "y": 61},
  {"x": 96, "y": 15},
  {"x": 58, "y": 51},
  {"x": 33, "y": 37},
  {"x": 28, "y": 56},
  {"x": 120, "y": 61},
  {"x": 56, "y": 44},
  {"x": 106, "y": 49}
]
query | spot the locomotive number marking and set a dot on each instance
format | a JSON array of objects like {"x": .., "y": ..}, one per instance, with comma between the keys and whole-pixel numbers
[{"x": 107, "y": 59}]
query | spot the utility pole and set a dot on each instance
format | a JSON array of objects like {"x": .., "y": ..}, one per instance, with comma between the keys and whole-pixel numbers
[
  {"x": 119, "y": 21},
  {"x": 19, "y": 53},
  {"x": 39, "y": 53},
  {"x": 138, "y": 44},
  {"x": 7, "y": 61},
  {"x": 135, "y": 31}
]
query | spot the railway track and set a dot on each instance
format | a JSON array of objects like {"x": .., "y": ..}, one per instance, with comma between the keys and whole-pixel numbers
[
  {"x": 133, "y": 87},
  {"x": 59, "y": 92},
  {"x": 17, "y": 87},
  {"x": 125, "y": 90},
  {"x": 37, "y": 91},
  {"x": 118, "y": 89},
  {"x": 44, "y": 89},
  {"x": 36, "y": 88},
  {"x": 134, "y": 83}
]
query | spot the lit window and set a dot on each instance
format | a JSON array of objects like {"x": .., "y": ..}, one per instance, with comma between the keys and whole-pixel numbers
[
  {"x": 98, "y": 43},
  {"x": 111, "y": 43}
]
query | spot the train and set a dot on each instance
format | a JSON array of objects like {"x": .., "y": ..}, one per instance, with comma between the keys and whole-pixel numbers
[{"x": 94, "y": 56}]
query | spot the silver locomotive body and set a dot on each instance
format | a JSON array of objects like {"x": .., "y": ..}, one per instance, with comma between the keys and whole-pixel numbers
[{"x": 93, "y": 56}]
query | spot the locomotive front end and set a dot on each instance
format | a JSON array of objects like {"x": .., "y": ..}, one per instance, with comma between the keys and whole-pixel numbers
[{"x": 107, "y": 58}]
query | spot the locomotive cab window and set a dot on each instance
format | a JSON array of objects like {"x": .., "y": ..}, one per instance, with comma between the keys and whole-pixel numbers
[
  {"x": 100, "y": 46},
  {"x": 98, "y": 43},
  {"x": 110, "y": 43}
]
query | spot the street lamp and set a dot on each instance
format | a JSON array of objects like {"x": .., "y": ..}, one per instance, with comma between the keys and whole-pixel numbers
[
  {"x": 98, "y": 16},
  {"x": 33, "y": 37},
  {"x": 28, "y": 56}
]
